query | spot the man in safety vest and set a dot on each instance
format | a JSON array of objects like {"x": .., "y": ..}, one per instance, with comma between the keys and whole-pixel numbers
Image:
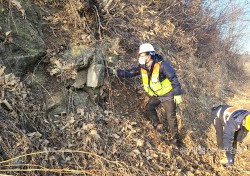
[
  {"x": 160, "y": 83},
  {"x": 231, "y": 124}
]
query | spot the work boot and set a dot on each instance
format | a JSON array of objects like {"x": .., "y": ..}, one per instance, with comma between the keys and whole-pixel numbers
[
  {"x": 158, "y": 127},
  {"x": 179, "y": 143},
  {"x": 223, "y": 161},
  {"x": 146, "y": 116},
  {"x": 175, "y": 141}
]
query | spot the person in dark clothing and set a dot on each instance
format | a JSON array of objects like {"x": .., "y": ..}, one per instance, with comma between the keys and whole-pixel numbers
[
  {"x": 231, "y": 124},
  {"x": 160, "y": 83}
]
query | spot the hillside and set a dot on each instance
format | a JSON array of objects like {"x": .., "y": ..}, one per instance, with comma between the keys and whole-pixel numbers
[{"x": 56, "y": 119}]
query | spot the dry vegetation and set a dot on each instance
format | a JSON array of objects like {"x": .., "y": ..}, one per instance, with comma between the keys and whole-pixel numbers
[{"x": 118, "y": 140}]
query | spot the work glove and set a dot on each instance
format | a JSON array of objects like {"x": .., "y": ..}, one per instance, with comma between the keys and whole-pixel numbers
[{"x": 177, "y": 99}]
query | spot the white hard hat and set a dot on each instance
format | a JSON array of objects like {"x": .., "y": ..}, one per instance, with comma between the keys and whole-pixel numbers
[{"x": 146, "y": 47}]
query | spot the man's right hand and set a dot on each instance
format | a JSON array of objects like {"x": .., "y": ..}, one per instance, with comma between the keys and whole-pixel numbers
[{"x": 120, "y": 73}]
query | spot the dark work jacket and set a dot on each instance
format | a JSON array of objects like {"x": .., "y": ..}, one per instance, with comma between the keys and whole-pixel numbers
[
  {"x": 233, "y": 124},
  {"x": 166, "y": 71}
]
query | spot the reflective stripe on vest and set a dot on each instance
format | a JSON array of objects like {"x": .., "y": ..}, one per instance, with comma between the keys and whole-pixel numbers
[
  {"x": 227, "y": 113},
  {"x": 156, "y": 87}
]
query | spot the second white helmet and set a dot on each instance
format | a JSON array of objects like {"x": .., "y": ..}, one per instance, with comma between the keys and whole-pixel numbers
[{"x": 146, "y": 47}]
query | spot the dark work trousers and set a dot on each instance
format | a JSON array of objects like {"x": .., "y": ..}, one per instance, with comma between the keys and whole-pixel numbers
[
  {"x": 238, "y": 137},
  {"x": 170, "y": 114}
]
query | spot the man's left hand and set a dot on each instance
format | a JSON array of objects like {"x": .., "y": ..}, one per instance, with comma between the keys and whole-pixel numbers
[{"x": 177, "y": 99}]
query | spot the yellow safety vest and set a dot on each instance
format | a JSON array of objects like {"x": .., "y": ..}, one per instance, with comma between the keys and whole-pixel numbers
[{"x": 156, "y": 87}]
